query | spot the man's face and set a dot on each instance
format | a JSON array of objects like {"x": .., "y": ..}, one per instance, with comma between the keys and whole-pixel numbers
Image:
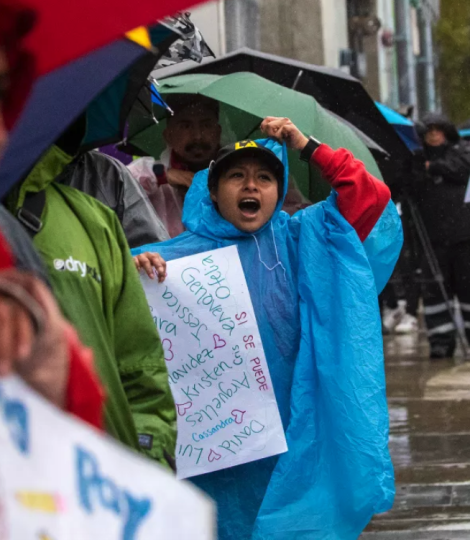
[
  {"x": 4, "y": 81},
  {"x": 194, "y": 134},
  {"x": 435, "y": 137},
  {"x": 247, "y": 194}
]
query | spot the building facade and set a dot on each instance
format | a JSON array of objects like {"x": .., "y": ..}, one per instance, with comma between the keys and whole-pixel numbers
[{"x": 388, "y": 44}]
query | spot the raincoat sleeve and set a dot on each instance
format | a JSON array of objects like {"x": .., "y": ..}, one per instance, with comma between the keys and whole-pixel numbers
[
  {"x": 364, "y": 202},
  {"x": 142, "y": 367}
]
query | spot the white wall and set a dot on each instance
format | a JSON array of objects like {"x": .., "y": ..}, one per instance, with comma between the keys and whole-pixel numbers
[
  {"x": 335, "y": 30},
  {"x": 388, "y": 75},
  {"x": 209, "y": 18}
]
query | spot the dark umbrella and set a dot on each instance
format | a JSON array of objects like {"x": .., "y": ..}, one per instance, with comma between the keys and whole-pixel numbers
[
  {"x": 56, "y": 100},
  {"x": 335, "y": 90},
  {"x": 107, "y": 113},
  {"x": 105, "y": 83},
  {"x": 377, "y": 151}
]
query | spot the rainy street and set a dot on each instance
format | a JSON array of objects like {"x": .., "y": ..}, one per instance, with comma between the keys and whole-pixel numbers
[{"x": 429, "y": 406}]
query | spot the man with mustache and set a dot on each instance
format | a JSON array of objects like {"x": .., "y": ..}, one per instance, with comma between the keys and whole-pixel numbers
[{"x": 192, "y": 135}]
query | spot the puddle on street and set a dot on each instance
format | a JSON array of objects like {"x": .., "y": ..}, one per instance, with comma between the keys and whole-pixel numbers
[{"x": 429, "y": 405}]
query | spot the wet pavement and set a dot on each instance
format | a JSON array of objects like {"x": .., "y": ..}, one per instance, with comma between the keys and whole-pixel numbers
[{"x": 429, "y": 405}]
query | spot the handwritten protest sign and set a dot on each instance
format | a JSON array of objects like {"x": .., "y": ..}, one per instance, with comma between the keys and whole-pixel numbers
[
  {"x": 61, "y": 479},
  {"x": 227, "y": 411}
]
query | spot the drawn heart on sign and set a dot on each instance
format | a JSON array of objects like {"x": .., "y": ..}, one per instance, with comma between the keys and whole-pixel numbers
[
  {"x": 167, "y": 350},
  {"x": 183, "y": 407},
  {"x": 238, "y": 415},
  {"x": 213, "y": 456},
  {"x": 219, "y": 343}
]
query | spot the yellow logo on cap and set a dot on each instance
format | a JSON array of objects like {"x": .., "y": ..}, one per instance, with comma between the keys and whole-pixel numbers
[{"x": 245, "y": 144}]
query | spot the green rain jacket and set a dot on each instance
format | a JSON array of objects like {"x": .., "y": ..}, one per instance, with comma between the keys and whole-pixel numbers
[{"x": 98, "y": 288}]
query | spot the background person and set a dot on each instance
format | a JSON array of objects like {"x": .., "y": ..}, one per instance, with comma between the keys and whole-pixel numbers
[
  {"x": 440, "y": 192},
  {"x": 110, "y": 182},
  {"x": 192, "y": 136}
]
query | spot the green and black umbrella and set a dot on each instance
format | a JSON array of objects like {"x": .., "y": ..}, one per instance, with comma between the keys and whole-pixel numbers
[{"x": 245, "y": 100}]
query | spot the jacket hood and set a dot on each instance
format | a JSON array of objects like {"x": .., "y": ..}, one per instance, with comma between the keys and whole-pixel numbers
[
  {"x": 46, "y": 170},
  {"x": 440, "y": 121},
  {"x": 200, "y": 216}
]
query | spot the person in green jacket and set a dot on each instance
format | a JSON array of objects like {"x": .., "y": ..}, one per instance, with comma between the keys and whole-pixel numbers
[{"x": 98, "y": 288}]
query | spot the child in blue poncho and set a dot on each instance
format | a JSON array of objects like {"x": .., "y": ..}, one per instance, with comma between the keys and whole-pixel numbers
[{"x": 313, "y": 280}]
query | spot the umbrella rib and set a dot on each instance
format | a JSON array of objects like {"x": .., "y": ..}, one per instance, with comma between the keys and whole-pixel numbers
[
  {"x": 257, "y": 125},
  {"x": 144, "y": 105},
  {"x": 297, "y": 79}
]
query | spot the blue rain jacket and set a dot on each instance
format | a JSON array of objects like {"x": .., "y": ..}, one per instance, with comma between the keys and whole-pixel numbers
[{"x": 314, "y": 288}]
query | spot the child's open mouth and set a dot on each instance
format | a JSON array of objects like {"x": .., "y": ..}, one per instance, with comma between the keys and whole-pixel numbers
[{"x": 249, "y": 207}]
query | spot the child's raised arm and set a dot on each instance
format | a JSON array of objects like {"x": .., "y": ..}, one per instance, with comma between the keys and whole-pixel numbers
[{"x": 362, "y": 198}]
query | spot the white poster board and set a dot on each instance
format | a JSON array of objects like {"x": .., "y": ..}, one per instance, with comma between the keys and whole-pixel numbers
[
  {"x": 60, "y": 479},
  {"x": 219, "y": 377}
]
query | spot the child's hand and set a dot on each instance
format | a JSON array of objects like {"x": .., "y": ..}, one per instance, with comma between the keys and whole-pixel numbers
[
  {"x": 150, "y": 261},
  {"x": 283, "y": 129}
]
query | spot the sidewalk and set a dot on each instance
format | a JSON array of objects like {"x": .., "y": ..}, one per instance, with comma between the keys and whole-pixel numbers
[{"x": 429, "y": 406}]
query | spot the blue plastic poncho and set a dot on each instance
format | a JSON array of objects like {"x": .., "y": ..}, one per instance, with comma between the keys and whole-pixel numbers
[{"x": 314, "y": 289}]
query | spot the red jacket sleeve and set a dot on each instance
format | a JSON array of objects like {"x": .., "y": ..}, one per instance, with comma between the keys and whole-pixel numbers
[
  {"x": 85, "y": 396},
  {"x": 361, "y": 197},
  {"x": 6, "y": 256}
]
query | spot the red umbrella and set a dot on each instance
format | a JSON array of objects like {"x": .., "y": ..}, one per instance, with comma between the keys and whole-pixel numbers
[{"x": 67, "y": 29}]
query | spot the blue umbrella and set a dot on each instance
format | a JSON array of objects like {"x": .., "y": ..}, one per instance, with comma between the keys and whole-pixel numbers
[
  {"x": 465, "y": 133},
  {"x": 404, "y": 127},
  {"x": 57, "y": 99}
]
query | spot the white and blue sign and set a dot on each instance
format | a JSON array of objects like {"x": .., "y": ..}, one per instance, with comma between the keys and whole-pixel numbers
[{"x": 61, "y": 479}]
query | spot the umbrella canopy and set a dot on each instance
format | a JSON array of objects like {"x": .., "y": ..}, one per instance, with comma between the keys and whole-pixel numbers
[
  {"x": 67, "y": 29},
  {"x": 377, "y": 151},
  {"x": 56, "y": 100},
  {"x": 108, "y": 112},
  {"x": 404, "y": 127},
  {"x": 334, "y": 89},
  {"x": 110, "y": 78},
  {"x": 245, "y": 99},
  {"x": 39, "y": 36},
  {"x": 191, "y": 46}
]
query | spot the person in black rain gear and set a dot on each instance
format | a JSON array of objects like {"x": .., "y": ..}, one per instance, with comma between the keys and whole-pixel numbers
[{"x": 440, "y": 194}]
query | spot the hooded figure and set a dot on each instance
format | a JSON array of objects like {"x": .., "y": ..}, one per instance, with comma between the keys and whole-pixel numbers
[
  {"x": 439, "y": 190},
  {"x": 314, "y": 286}
]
